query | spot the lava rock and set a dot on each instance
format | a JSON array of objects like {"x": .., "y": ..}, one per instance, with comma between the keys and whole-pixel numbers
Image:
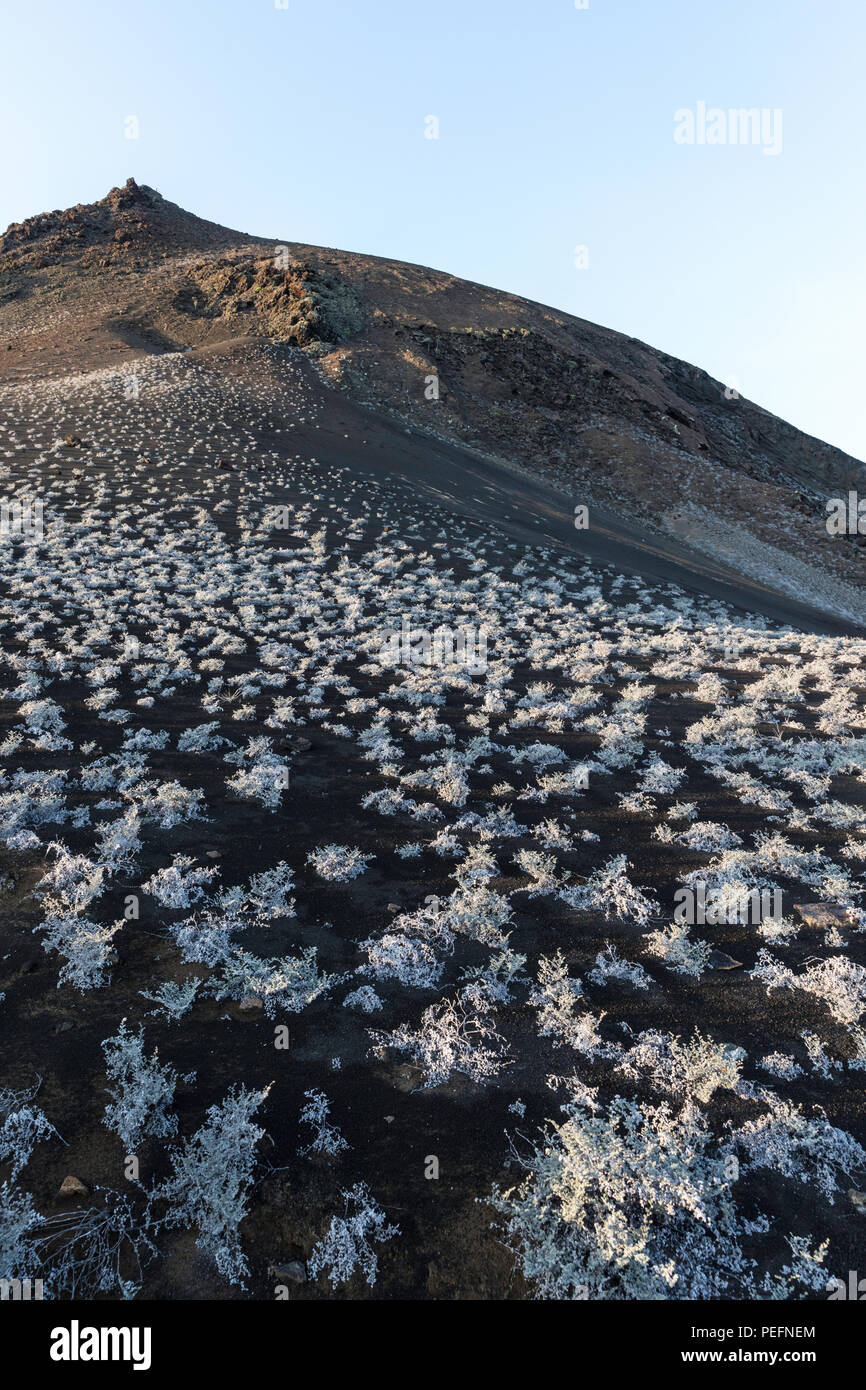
[
  {"x": 72, "y": 1187},
  {"x": 292, "y": 1272},
  {"x": 720, "y": 960}
]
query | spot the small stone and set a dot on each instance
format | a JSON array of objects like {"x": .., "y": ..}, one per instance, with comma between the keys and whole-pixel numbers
[
  {"x": 213, "y": 854},
  {"x": 64, "y": 1026},
  {"x": 389, "y": 1119},
  {"x": 292, "y": 1272},
  {"x": 72, "y": 1187},
  {"x": 857, "y": 1199},
  {"x": 719, "y": 960},
  {"x": 251, "y": 1004},
  {"x": 301, "y": 745},
  {"x": 825, "y": 915},
  {"x": 394, "y": 907}
]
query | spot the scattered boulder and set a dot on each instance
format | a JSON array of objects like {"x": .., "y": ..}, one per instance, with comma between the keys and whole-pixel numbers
[
  {"x": 720, "y": 960},
  {"x": 292, "y": 1272},
  {"x": 72, "y": 1187},
  {"x": 826, "y": 915}
]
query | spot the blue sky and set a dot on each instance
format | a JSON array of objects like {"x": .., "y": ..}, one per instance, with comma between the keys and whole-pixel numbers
[{"x": 555, "y": 131}]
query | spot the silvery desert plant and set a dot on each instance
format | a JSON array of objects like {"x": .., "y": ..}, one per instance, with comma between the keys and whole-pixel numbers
[
  {"x": 18, "y": 1221},
  {"x": 839, "y": 982},
  {"x": 86, "y": 946},
  {"x": 610, "y": 890},
  {"x": 610, "y": 966},
  {"x": 212, "y": 1178},
  {"x": 288, "y": 982},
  {"x": 787, "y": 1141},
  {"x": 348, "y": 1245},
  {"x": 409, "y": 961},
  {"x": 632, "y": 1202},
  {"x": 455, "y": 1035},
  {"x": 141, "y": 1090},
  {"x": 173, "y": 999},
  {"x": 338, "y": 863},
  {"x": 364, "y": 999},
  {"x": 180, "y": 885},
  {"x": 691, "y": 1070},
  {"x": 22, "y": 1126},
  {"x": 678, "y": 950},
  {"x": 96, "y": 1250},
  {"x": 327, "y": 1138}
]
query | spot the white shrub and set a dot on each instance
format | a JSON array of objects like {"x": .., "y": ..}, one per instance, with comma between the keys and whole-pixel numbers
[
  {"x": 632, "y": 1203},
  {"x": 785, "y": 1140},
  {"x": 212, "y": 1179},
  {"x": 22, "y": 1127},
  {"x": 72, "y": 883},
  {"x": 693, "y": 1070},
  {"x": 838, "y": 981},
  {"x": 86, "y": 946},
  {"x": 202, "y": 739},
  {"x": 675, "y": 948},
  {"x": 180, "y": 885},
  {"x": 365, "y": 999},
  {"x": 454, "y": 1036},
  {"x": 83, "y": 1253},
  {"x": 610, "y": 966},
  {"x": 782, "y": 1065},
  {"x": 262, "y": 776},
  {"x": 327, "y": 1138},
  {"x": 288, "y": 982},
  {"x": 18, "y": 1220},
  {"x": 709, "y": 837},
  {"x": 493, "y": 983},
  {"x": 610, "y": 890},
  {"x": 555, "y": 997},
  {"x": 173, "y": 1000},
  {"x": 338, "y": 863},
  {"x": 142, "y": 1090},
  {"x": 393, "y": 957},
  {"x": 119, "y": 841},
  {"x": 348, "y": 1244},
  {"x": 268, "y": 891}
]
